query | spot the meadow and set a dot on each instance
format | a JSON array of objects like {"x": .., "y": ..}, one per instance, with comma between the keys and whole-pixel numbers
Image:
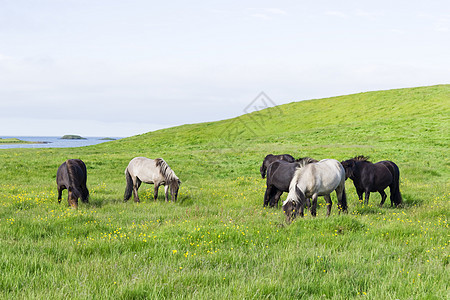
[{"x": 217, "y": 241}]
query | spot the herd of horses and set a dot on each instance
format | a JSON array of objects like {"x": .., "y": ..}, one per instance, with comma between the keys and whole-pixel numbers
[
  {"x": 304, "y": 179},
  {"x": 72, "y": 175}
]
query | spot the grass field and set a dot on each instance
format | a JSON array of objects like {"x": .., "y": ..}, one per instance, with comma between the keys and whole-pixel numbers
[{"x": 217, "y": 241}]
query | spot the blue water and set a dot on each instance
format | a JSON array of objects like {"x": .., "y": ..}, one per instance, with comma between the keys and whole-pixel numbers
[{"x": 52, "y": 142}]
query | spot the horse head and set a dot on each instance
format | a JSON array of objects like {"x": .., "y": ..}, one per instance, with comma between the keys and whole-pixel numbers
[
  {"x": 289, "y": 211},
  {"x": 73, "y": 197},
  {"x": 349, "y": 166},
  {"x": 291, "y": 206},
  {"x": 262, "y": 170},
  {"x": 267, "y": 160},
  {"x": 174, "y": 187}
]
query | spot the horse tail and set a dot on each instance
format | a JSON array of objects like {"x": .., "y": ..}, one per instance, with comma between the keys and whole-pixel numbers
[
  {"x": 84, "y": 189},
  {"x": 129, "y": 187},
  {"x": 344, "y": 206},
  {"x": 396, "y": 196},
  {"x": 71, "y": 172}
]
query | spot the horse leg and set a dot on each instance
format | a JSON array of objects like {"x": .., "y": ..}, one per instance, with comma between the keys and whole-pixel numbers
[
  {"x": 166, "y": 192},
  {"x": 301, "y": 208},
  {"x": 136, "y": 186},
  {"x": 341, "y": 198},
  {"x": 329, "y": 204},
  {"x": 314, "y": 205},
  {"x": 59, "y": 193},
  {"x": 267, "y": 196},
  {"x": 84, "y": 194},
  {"x": 155, "y": 191},
  {"x": 276, "y": 199},
  {"x": 298, "y": 209},
  {"x": 360, "y": 195},
  {"x": 383, "y": 197},
  {"x": 73, "y": 202},
  {"x": 366, "y": 198}
]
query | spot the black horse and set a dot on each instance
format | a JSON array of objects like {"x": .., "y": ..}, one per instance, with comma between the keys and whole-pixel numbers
[
  {"x": 271, "y": 158},
  {"x": 72, "y": 175},
  {"x": 279, "y": 176},
  {"x": 369, "y": 177}
]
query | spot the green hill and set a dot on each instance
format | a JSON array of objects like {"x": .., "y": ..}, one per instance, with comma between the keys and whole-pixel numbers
[
  {"x": 218, "y": 241},
  {"x": 409, "y": 126}
]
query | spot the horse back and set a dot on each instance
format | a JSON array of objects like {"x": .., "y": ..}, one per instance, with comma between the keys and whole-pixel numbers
[
  {"x": 77, "y": 171},
  {"x": 322, "y": 177},
  {"x": 376, "y": 176},
  {"x": 393, "y": 168},
  {"x": 71, "y": 172},
  {"x": 62, "y": 176},
  {"x": 280, "y": 174},
  {"x": 270, "y": 158},
  {"x": 145, "y": 169}
]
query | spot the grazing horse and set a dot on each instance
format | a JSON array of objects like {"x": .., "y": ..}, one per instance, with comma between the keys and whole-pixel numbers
[
  {"x": 313, "y": 180},
  {"x": 72, "y": 175},
  {"x": 152, "y": 171},
  {"x": 271, "y": 158},
  {"x": 279, "y": 176},
  {"x": 369, "y": 177}
]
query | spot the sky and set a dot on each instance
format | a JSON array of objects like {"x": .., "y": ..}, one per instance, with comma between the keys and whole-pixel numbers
[{"x": 120, "y": 68}]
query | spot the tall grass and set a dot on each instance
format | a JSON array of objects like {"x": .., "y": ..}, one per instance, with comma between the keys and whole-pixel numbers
[{"x": 218, "y": 241}]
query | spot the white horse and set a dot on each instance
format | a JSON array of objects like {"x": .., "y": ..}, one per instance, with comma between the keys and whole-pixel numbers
[
  {"x": 152, "y": 171},
  {"x": 313, "y": 180}
]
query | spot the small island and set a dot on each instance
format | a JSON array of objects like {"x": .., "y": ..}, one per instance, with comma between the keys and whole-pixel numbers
[
  {"x": 17, "y": 141},
  {"x": 107, "y": 139},
  {"x": 72, "y": 137}
]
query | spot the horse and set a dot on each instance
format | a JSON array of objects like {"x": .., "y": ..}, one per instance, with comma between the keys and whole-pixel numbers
[
  {"x": 374, "y": 177},
  {"x": 151, "y": 171},
  {"x": 72, "y": 175},
  {"x": 313, "y": 180},
  {"x": 279, "y": 176},
  {"x": 271, "y": 158}
]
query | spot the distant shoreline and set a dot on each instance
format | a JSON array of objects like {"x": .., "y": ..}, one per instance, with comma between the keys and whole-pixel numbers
[
  {"x": 11, "y": 142},
  {"x": 18, "y": 141}
]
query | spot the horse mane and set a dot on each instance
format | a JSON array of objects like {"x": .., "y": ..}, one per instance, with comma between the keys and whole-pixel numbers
[
  {"x": 292, "y": 187},
  {"x": 361, "y": 158},
  {"x": 303, "y": 161},
  {"x": 167, "y": 172}
]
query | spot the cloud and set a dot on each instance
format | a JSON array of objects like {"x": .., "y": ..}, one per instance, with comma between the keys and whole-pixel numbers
[
  {"x": 368, "y": 15},
  {"x": 4, "y": 57},
  {"x": 261, "y": 16},
  {"x": 442, "y": 24},
  {"x": 267, "y": 13},
  {"x": 336, "y": 14},
  {"x": 276, "y": 11}
]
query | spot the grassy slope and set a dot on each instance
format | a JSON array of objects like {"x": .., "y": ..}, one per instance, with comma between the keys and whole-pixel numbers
[{"x": 218, "y": 241}]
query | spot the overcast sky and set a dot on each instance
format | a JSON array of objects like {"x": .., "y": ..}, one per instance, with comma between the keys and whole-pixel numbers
[{"x": 120, "y": 68}]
